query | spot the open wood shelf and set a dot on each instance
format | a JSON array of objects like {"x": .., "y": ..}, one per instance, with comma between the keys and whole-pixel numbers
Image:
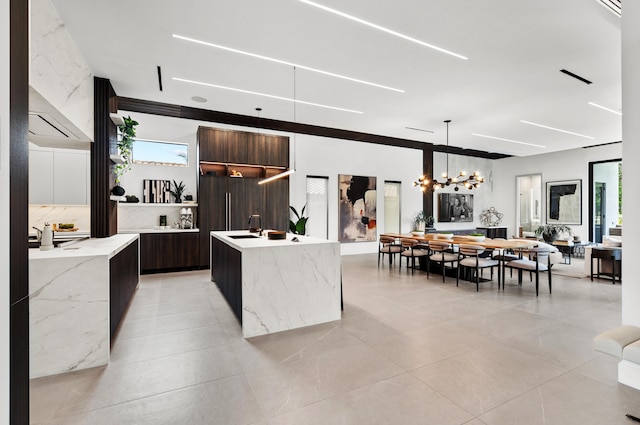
[{"x": 222, "y": 169}]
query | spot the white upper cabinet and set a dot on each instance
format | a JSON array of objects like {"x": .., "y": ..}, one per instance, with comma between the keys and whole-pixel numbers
[{"x": 59, "y": 176}]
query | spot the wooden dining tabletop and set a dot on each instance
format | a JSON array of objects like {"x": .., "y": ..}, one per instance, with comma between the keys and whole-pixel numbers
[{"x": 461, "y": 239}]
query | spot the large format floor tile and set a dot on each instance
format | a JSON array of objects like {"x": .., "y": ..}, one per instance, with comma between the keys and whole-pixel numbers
[{"x": 408, "y": 350}]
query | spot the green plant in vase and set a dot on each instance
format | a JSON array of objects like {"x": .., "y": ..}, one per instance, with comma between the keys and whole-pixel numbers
[
  {"x": 299, "y": 227},
  {"x": 177, "y": 191},
  {"x": 551, "y": 232}
]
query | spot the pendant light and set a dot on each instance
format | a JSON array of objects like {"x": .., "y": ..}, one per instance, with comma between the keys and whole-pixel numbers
[
  {"x": 470, "y": 182},
  {"x": 292, "y": 170}
]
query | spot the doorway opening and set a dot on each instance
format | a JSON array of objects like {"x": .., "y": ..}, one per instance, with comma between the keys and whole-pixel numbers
[{"x": 605, "y": 199}]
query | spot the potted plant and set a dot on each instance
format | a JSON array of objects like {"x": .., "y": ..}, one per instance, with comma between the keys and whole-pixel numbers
[
  {"x": 177, "y": 191},
  {"x": 551, "y": 232},
  {"x": 421, "y": 222},
  {"x": 127, "y": 132},
  {"x": 299, "y": 227}
]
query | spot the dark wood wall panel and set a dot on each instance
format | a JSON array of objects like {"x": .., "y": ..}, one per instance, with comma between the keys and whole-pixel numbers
[
  {"x": 104, "y": 217},
  {"x": 18, "y": 213},
  {"x": 275, "y": 215},
  {"x": 427, "y": 170}
]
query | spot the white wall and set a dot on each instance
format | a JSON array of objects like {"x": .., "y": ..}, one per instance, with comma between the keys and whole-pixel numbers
[
  {"x": 565, "y": 165},
  {"x": 4, "y": 210},
  {"x": 171, "y": 130},
  {"x": 483, "y": 196},
  {"x": 631, "y": 151},
  {"x": 321, "y": 156}
]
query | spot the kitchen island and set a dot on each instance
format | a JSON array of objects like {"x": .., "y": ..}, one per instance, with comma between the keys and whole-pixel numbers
[
  {"x": 277, "y": 285},
  {"x": 77, "y": 295}
]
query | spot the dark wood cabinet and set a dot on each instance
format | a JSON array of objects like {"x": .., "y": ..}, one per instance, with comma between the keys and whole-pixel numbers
[
  {"x": 226, "y": 202},
  {"x": 493, "y": 232},
  {"x": 123, "y": 280},
  {"x": 226, "y": 272},
  {"x": 161, "y": 252},
  {"x": 268, "y": 150}
]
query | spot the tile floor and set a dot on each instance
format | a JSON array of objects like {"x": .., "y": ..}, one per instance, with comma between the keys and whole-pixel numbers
[{"x": 407, "y": 351}]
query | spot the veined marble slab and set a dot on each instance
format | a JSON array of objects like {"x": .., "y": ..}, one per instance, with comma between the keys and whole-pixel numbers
[
  {"x": 286, "y": 284},
  {"x": 69, "y": 305}
]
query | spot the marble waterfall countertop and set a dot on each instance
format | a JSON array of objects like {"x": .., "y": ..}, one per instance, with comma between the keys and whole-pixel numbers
[
  {"x": 263, "y": 241},
  {"x": 86, "y": 248},
  {"x": 285, "y": 284},
  {"x": 69, "y": 305}
]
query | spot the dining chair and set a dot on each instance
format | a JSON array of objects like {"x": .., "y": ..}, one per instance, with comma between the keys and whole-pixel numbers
[
  {"x": 536, "y": 260},
  {"x": 469, "y": 256},
  {"x": 502, "y": 256},
  {"x": 440, "y": 254},
  {"x": 388, "y": 246},
  {"x": 411, "y": 249}
]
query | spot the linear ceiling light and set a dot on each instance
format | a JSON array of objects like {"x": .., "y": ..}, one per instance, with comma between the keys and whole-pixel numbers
[
  {"x": 557, "y": 129},
  {"x": 266, "y": 95},
  {"x": 254, "y": 55},
  {"x": 508, "y": 140},
  {"x": 605, "y": 108},
  {"x": 378, "y": 27},
  {"x": 277, "y": 176}
]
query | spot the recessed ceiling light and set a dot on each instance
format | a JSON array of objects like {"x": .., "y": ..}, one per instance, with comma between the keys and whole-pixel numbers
[
  {"x": 605, "y": 108},
  {"x": 557, "y": 129},
  {"x": 265, "y": 95},
  {"x": 198, "y": 99},
  {"x": 308, "y": 68},
  {"x": 381, "y": 28},
  {"x": 508, "y": 140}
]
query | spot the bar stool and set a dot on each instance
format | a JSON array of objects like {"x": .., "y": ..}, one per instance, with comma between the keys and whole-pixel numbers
[{"x": 612, "y": 254}]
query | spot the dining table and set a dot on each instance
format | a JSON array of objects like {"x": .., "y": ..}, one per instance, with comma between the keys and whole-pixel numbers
[{"x": 502, "y": 245}]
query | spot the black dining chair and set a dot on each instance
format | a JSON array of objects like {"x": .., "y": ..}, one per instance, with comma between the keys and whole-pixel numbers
[
  {"x": 388, "y": 246},
  {"x": 536, "y": 260},
  {"x": 440, "y": 253},
  {"x": 469, "y": 256}
]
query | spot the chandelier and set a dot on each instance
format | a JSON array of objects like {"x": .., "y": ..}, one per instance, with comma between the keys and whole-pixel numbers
[{"x": 470, "y": 182}]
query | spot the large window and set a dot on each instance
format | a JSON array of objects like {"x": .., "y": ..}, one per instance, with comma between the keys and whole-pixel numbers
[
  {"x": 317, "y": 207},
  {"x": 160, "y": 153}
]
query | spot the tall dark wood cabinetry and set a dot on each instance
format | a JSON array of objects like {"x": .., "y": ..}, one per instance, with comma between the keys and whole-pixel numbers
[{"x": 225, "y": 202}]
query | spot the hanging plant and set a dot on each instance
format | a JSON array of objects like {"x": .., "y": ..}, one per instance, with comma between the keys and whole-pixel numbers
[{"x": 127, "y": 132}]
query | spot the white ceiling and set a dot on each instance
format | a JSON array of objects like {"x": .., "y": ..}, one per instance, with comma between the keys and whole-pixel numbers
[{"x": 515, "y": 50}]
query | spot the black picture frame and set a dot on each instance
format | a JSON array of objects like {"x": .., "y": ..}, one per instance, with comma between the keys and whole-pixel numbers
[{"x": 564, "y": 202}]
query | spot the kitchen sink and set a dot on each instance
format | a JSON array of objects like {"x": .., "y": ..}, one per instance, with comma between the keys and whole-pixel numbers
[{"x": 243, "y": 236}]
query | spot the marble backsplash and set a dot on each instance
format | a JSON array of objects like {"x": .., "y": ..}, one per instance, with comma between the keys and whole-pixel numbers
[
  {"x": 80, "y": 215},
  {"x": 147, "y": 216}
]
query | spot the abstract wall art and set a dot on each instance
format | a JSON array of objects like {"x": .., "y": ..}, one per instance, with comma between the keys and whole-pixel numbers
[{"x": 357, "y": 203}]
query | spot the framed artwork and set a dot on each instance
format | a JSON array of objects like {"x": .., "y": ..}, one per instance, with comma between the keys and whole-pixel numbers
[
  {"x": 455, "y": 207},
  {"x": 564, "y": 202},
  {"x": 357, "y": 203},
  {"x": 156, "y": 191}
]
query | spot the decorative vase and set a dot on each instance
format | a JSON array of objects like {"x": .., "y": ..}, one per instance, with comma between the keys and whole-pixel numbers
[
  {"x": 550, "y": 237},
  {"x": 178, "y": 200},
  {"x": 117, "y": 190}
]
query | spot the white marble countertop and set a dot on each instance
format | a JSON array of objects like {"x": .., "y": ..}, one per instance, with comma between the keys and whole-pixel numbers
[
  {"x": 263, "y": 241},
  {"x": 87, "y": 248},
  {"x": 157, "y": 230}
]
